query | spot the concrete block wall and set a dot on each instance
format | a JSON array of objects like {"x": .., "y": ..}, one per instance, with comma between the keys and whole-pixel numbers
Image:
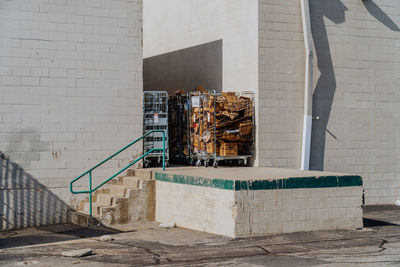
[
  {"x": 195, "y": 207},
  {"x": 356, "y": 96},
  {"x": 281, "y": 83},
  {"x": 70, "y": 95},
  {"x": 251, "y": 212},
  {"x": 176, "y": 29},
  {"x": 293, "y": 210},
  {"x": 178, "y": 25}
]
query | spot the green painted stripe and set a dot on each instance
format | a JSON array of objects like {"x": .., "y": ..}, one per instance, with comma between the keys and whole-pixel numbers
[
  {"x": 289, "y": 183},
  {"x": 193, "y": 180}
]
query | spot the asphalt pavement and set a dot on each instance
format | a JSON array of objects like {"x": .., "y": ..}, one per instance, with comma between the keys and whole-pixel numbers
[{"x": 146, "y": 244}]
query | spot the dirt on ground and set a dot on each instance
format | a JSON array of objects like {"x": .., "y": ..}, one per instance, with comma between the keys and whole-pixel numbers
[{"x": 377, "y": 244}]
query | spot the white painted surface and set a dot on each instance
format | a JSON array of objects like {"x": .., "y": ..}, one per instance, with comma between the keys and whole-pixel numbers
[
  {"x": 356, "y": 90},
  {"x": 70, "y": 95},
  {"x": 306, "y": 142},
  {"x": 195, "y": 207},
  {"x": 258, "y": 212},
  {"x": 178, "y": 24},
  {"x": 308, "y": 86}
]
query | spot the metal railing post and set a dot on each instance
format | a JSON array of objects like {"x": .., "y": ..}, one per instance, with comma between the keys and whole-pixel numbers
[
  {"x": 91, "y": 190},
  {"x": 90, "y": 193},
  {"x": 163, "y": 162}
]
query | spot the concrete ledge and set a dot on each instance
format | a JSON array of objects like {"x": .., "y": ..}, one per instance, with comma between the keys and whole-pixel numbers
[
  {"x": 258, "y": 206},
  {"x": 267, "y": 184}
]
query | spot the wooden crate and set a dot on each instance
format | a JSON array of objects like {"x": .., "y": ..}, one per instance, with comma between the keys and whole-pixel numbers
[
  {"x": 211, "y": 147},
  {"x": 245, "y": 128},
  {"x": 228, "y": 149}
]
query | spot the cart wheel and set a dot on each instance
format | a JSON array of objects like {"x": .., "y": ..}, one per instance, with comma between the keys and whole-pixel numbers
[
  {"x": 215, "y": 164},
  {"x": 198, "y": 163}
]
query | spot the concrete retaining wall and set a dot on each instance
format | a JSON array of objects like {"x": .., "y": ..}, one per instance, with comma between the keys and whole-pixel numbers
[
  {"x": 257, "y": 207},
  {"x": 195, "y": 207}
]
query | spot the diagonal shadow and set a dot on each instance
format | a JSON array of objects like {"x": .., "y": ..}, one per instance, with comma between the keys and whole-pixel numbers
[
  {"x": 326, "y": 86},
  {"x": 185, "y": 68},
  {"x": 380, "y": 15},
  {"x": 25, "y": 202},
  {"x": 51, "y": 234}
]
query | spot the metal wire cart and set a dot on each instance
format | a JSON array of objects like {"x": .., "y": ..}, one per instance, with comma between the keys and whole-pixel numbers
[
  {"x": 178, "y": 128},
  {"x": 155, "y": 117},
  {"x": 221, "y": 127}
]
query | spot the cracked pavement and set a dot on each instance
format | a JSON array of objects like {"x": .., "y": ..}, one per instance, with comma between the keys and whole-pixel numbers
[{"x": 378, "y": 244}]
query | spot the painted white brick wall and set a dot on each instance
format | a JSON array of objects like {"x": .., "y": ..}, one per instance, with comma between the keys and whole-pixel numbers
[
  {"x": 357, "y": 63},
  {"x": 258, "y": 212},
  {"x": 178, "y": 24},
  {"x": 195, "y": 207},
  {"x": 70, "y": 88},
  {"x": 292, "y": 210}
]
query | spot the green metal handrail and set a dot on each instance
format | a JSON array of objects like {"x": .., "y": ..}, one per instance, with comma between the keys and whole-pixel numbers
[{"x": 91, "y": 190}]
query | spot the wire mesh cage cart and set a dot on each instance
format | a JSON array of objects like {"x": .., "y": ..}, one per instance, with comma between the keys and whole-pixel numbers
[
  {"x": 155, "y": 117},
  {"x": 178, "y": 109},
  {"x": 221, "y": 127}
]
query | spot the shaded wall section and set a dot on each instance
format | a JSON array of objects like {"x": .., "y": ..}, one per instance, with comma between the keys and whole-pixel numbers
[
  {"x": 185, "y": 69},
  {"x": 24, "y": 201}
]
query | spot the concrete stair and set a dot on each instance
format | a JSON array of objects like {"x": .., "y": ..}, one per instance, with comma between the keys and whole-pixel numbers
[{"x": 123, "y": 200}]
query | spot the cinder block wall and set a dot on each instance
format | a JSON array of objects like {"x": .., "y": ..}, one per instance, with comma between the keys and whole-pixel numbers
[
  {"x": 71, "y": 83},
  {"x": 176, "y": 29},
  {"x": 281, "y": 82},
  {"x": 356, "y": 95},
  {"x": 181, "y": 26}
]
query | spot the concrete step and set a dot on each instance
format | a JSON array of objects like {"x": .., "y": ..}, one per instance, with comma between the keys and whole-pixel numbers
[
  {"x": 95, "y": 208},
  {"x": 131, "y": 182},
  {"x": 105, "y": 199},
  {"x": 114, "y": 181},
  {"x": 115, "y": 214},
  {"x": 144, "y": 173},
  {"x": 82, "y": 219},
  {"x": 123, "y": 199},
  {"x": 118, "y": 190}
]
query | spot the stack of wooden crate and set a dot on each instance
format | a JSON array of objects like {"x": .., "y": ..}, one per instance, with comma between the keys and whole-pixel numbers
[{"x": 223, "y": 124}]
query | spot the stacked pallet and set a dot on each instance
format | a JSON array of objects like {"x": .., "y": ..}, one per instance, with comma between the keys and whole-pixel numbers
[{"x": 222, "y": 124}]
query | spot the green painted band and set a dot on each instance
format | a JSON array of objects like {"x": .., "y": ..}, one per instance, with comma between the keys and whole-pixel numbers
[{"x": 287, "y": 183}]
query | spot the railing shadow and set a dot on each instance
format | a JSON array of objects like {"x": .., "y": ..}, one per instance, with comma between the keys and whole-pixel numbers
[{"x": 25, "y": 202}]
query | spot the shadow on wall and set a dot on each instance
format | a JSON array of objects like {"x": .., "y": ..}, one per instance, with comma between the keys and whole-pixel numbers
[
  {"x": 380, "y": 15},
  {"x": 325, "y": 89},
  {"x": 185, "y": 69},
  {"x": 25, "y": 202},
  {"x": 326, "y": 86}
]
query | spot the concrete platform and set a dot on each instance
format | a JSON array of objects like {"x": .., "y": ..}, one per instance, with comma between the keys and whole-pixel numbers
[{"x": 257, "y": 201}]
